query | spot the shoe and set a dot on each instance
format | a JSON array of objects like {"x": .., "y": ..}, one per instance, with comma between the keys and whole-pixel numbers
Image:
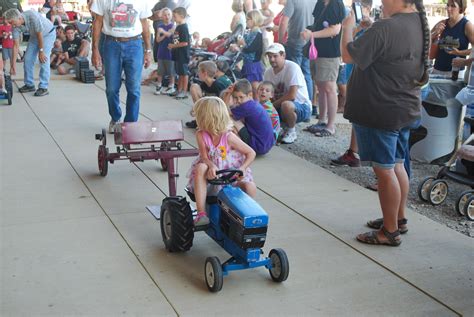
[
  {"x": 347, "y": 159},
  {"x": 378, "y": 224},
  {"x": 40, "y": 92},
  {"x": 191, "y": 124},
  {"x": 289, "y": 138},
  {"x": 181, "y": 95},
  {"x": 170, "y": 91},
  {"x": 201, "y": 219},
  {"x": 26, "y": 88},
  {"x": 371, "y": 237},
  {"x": 160, "y": 91},
  {"x": 174, "y": 93},
  {"x": 112, "y": 125}
]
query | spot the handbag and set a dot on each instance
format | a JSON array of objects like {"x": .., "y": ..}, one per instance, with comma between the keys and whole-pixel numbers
[{"x": 313, "y": 52}]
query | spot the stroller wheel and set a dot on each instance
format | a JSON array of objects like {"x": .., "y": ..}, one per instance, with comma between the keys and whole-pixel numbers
[
  {"x": 438, "y": 192},
  {"x": 462, "y": 200},
  {"x": 423, "y": 188},
  {"x": 469, "y": 208}
]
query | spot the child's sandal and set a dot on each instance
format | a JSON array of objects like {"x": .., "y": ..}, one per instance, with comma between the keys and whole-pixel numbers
[{"x": 393, "y": 238}]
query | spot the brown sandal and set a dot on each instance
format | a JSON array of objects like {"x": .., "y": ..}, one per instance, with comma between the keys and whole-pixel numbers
[
  {"x": 371, "y": 237},
  {"x": 378, "y": 223}
]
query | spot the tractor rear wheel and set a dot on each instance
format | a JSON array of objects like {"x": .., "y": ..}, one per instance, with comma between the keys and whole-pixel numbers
[{"x": 176, "y": 222}]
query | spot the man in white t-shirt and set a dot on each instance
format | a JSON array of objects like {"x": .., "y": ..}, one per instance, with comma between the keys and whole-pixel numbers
[
  {"x": 125, "y": 26},
  {"x": 291, "y": 95}
]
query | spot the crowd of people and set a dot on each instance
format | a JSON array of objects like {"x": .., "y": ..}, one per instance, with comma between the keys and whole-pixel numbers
[{"x": 372, "y": 71}]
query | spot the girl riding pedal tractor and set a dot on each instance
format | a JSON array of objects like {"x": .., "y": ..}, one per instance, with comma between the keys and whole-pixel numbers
[{"x": 218, "y": 149}]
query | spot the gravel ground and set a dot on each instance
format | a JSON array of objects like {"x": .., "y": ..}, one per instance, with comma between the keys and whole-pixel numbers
[{"x": 320, "y": 151}]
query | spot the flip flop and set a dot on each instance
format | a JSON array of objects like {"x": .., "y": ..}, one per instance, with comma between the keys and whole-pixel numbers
[{"x": 323, "y": 133}]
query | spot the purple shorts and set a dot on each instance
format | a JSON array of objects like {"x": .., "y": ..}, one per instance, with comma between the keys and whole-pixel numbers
[{"x": 253, "y": 71}]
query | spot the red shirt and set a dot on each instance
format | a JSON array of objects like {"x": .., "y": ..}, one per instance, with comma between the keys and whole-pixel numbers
[{"x": 6, "y": 35}]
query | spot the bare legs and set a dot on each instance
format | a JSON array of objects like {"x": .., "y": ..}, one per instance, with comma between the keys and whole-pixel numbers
[{"x": 327, "y": 103}]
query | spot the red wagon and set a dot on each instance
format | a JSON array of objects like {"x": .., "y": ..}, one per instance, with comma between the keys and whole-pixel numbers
[{"x": 140, "y": 141}]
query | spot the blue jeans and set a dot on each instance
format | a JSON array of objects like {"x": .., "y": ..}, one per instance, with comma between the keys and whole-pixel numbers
[
  {"x": 127, "y": 57},
  {"x": 31, "y": 56},
  {"x": 295, "y": 54}
]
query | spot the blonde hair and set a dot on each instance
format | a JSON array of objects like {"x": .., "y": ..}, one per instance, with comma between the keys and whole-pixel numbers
[
  {"x": 256, "y": 16},
  {"x": 209, "y": 67},
  {"x": 237, "y": 6},
  {"x": 212, "y": 115}
]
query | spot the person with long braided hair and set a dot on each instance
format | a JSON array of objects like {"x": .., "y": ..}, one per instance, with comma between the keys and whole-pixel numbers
[{"x": 383, "y": 99}]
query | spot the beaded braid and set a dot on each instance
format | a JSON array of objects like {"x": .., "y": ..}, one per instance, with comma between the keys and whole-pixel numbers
[{"x": 426, "y": 41}]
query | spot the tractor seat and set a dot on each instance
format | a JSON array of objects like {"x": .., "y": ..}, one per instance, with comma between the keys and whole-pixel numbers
[{"x": 210, "y": 200}]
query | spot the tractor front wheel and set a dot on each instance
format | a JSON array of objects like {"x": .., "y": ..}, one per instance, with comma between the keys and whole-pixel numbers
[
  {"x": 280, "y": 265},
  {"x": 177, "y": 229},
  {"x": 213, "y": 274}
]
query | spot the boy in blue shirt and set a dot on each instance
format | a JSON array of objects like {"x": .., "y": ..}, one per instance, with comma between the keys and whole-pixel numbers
[{"x": 251, "y": 120}]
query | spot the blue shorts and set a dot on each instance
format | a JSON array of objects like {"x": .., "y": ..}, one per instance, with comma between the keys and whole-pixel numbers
[
  {"x": 382, "y": 148},
  {"x": 303, "y": 111},
  {"x": 181, "y": 69}
]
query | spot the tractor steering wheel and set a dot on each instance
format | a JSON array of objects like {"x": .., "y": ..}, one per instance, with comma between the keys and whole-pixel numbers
[{"x": 231, "y": 175}]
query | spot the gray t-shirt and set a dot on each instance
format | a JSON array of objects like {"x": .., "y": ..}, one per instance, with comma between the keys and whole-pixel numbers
[
  {"x": 36, "y": 23},
  {"x": 300, "y": 13},
  {"x": 381, "y": 92}
]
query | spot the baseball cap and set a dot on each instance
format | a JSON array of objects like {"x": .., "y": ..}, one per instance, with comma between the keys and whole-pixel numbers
[{"x": 275, "y": 48}]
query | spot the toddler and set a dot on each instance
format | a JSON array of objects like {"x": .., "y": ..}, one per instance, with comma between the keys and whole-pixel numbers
[
  {"x": 252, "y": 124},
  {"x": 265, "y": 94},
  {"x": 218, "y": 149}
]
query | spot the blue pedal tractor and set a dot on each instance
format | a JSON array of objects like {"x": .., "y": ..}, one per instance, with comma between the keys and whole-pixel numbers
[
  {"x": 237, "y": 223},
  {"x": 9, "y": 90}
]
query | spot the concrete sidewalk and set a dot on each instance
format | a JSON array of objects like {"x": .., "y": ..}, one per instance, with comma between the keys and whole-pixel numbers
[{"x": 75, "y": 243}]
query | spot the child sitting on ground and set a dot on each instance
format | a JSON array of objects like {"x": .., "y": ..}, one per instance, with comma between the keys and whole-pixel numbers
[
  {"x": 218, "y": 149},
  {"x": 222, "y": 69},
  {"x": 56, "y": 54},
  {"x": 265, "y": 94},
  {"x": 252, "y": 122},
  {"x": 209, "y": 85}
]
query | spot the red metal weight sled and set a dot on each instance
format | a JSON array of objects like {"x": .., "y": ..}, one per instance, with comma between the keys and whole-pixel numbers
[{"x": 140, "y": 141}]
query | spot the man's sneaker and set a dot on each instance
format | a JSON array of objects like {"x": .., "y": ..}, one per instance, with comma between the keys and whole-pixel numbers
[
  {"x": 26, "y": 88},
  {"x": 170, "y": 91},
  {"x": 191, "y": 124},
  {"x": 289, "y": 138},
  {"x": 160, "y": 91},
  {"x": 349, "y": 158},
  {"x": 201, "y": 219},
  {"x": 174, "y": 93},
  {"x": 41, "y": 92},
  {"x": 112, "y": 125}
]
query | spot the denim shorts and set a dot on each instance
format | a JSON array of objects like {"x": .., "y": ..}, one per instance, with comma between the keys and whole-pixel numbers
[
  {"x": 181, "y": 69},
  {"x": 303, "y": 111},
  {"x": 382, "y": 148},
  {"x": 342, "y": 78}
]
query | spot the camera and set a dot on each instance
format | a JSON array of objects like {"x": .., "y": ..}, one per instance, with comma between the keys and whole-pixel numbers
[{"x": 357, "y": 7}]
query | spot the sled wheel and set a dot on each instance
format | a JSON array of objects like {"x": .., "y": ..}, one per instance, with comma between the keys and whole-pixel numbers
[
  {"x": 469, "y": 208},
  {"x": 164, "y": 147},
  {"x": 424, "y": 187},
  {"x": 438, "y": 192},
  {"x": 462, "y": 200},
  {"x": 177, "y": 228},
  {"x": 102, "y": 159},
  {"x": 213, "y": 274},
  {"x": 280, "y": 266}
]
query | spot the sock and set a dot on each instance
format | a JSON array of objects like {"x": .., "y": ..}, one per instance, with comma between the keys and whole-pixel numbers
[{"x": 291, "y": 130}]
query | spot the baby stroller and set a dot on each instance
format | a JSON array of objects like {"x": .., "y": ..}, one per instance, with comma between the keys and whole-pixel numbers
[{"x": 435, "y": 189}]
